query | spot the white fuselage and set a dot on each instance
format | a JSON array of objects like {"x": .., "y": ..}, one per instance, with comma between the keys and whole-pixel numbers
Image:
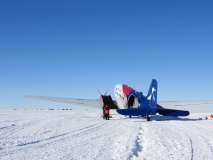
[{"x": 120, "y": 96}]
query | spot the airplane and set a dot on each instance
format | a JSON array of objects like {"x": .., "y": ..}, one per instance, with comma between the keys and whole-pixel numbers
[{"x": 130, "y": 102}]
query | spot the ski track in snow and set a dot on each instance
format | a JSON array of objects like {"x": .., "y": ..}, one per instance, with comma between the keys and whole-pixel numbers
[{"x": 84, "y": 135}]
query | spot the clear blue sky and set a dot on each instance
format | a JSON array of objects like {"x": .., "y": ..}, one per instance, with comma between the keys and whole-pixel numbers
[{"x": 72, "y": 48}]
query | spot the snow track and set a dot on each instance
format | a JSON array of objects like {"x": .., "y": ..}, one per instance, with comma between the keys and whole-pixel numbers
[{"x": 70, "y": 135}]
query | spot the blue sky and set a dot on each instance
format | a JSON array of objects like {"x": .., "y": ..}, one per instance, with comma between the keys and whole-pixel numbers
[{"x": 72, "y": 48}]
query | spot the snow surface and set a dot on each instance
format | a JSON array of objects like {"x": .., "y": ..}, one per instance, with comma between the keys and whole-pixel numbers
[{"x": 85, "y": 135}]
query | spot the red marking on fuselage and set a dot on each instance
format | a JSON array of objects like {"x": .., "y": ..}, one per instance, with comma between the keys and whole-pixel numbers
[{"x": 126, "y": 89}]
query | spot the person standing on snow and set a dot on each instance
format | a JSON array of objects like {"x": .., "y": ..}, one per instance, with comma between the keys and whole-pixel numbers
[{"x": 106, "y": 111}]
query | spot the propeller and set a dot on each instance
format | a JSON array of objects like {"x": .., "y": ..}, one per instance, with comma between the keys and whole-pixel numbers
[{"x": 101, "y": 94}]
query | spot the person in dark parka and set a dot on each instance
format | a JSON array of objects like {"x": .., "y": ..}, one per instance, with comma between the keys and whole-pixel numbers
[{"x": 106, "y": 112}]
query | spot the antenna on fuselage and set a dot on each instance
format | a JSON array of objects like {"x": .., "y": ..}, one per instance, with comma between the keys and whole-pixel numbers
[{"x": 141, "y": 92}]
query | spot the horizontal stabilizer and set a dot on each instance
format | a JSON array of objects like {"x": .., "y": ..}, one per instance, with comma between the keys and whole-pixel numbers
[
  {"x": 172, "y": 112},
  {"x": 133, "y": 111}
]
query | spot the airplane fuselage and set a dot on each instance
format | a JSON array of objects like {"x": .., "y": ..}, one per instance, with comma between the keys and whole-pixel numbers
[{"x": 128, "y": 98}]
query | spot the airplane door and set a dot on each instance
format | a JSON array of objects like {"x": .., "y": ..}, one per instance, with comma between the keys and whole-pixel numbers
[{"x": 136, "y": 103}]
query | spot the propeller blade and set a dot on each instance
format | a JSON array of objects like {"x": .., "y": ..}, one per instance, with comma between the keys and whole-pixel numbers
[
  {"x": 106, "y": 92},
  {"x": 99, "y": 92}
]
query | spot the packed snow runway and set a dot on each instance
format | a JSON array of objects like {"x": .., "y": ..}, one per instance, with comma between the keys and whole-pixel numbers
[{"x": 85, "y": 135}]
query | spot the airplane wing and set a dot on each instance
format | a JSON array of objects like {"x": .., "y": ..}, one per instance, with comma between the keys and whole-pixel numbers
[
  {"x": 74, "y": 101},
  {"x": 99, "y": 104},
  {"x": 179, "y": 104}
]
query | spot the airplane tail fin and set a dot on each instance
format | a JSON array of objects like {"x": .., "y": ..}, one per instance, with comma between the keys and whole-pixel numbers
[{"x": 152, "y": 94}]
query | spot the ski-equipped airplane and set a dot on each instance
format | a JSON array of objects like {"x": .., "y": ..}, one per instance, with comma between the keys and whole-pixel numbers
[{"x": 132, "y": 103}]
